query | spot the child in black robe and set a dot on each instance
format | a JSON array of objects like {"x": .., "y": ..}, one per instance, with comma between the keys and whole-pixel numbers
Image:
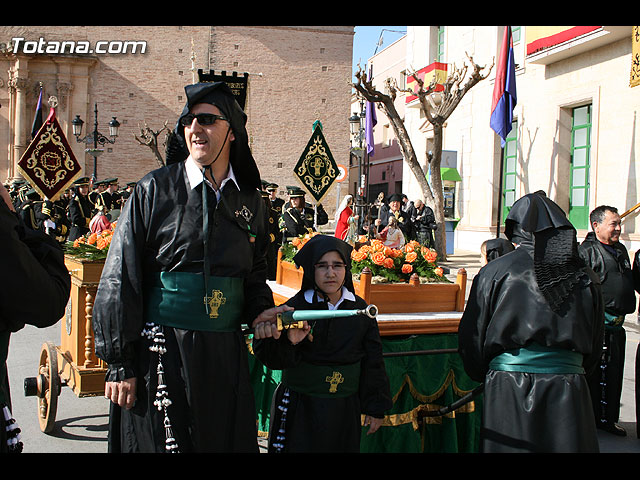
[{"x": 333, "y": 369}]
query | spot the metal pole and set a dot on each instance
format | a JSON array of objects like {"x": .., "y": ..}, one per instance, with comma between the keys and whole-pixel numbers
[{"x": 499, "y": 219}]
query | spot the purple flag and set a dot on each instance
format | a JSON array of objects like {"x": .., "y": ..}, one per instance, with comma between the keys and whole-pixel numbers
[{"x": 370, "y": 121}]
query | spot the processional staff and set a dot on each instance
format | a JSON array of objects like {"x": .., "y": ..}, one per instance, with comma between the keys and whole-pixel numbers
[{"x": 296, "y": 318}]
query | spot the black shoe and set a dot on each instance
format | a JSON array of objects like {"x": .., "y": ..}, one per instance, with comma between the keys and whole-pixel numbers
[{"x": 613, "y": 428}]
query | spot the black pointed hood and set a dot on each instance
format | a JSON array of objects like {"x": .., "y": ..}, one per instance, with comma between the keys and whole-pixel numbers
[{"x": 220, "y": 95}]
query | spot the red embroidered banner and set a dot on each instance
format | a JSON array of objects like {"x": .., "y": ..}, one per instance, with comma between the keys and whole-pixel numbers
[{"x": 49, "y": 164}]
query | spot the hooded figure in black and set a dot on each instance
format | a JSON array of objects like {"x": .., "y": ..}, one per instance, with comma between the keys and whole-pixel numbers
[
  {"x": 530, "y": 331},
  {"x": 307, "y": 414},
  {"x": 186, "y": 268},
  {"x": 494, "y": 248}
]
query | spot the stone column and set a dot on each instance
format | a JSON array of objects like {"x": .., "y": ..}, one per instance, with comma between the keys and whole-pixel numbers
[{"x": 18, "y": 84}]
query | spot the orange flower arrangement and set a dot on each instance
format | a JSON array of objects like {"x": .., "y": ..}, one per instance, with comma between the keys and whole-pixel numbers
[
  {"x": 397, "y": 265},
  {"x": 393, "y": 264},
  {"x": 94, "y": 246}
]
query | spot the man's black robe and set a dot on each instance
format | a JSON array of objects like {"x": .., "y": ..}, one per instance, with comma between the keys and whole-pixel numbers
[
  {"x": 506, "y": 310},
  {"x": 34, "y": 289},
  {"x": 160, "y": 230},
  {"x": 315, "y": 424}
]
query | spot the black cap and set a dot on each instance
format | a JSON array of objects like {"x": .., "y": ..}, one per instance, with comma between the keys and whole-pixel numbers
[
  {"x": 81, "y": 182},
  {"x": 295, "y": 191}
]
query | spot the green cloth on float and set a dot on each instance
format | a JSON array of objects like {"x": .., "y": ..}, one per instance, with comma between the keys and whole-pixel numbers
[
  {"x": 537, "y": 358},
  {"x": 176, "y": 299},
  {"x": 427, "y": 382},
  {"x": 431, "y": 381}
]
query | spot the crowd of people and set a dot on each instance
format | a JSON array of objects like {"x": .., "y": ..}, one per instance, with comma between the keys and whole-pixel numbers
[
  {"x": 187, "y": 270},
  {"x": 71, "y": 215}
]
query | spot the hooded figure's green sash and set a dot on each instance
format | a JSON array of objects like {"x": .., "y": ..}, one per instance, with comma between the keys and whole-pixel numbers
[{"x": 536, "y": 358}]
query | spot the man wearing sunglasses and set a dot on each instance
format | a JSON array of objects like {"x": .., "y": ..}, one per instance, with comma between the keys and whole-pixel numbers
[{"x": 186, "y": 269}]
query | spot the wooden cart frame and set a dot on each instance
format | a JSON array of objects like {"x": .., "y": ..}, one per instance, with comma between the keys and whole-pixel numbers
[{"x": 73, "y": 363}]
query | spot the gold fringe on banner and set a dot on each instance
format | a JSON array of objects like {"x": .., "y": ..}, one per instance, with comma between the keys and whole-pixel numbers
[
  {"x": 412, "y": 416},
  {"x": 635, "y": 57}
]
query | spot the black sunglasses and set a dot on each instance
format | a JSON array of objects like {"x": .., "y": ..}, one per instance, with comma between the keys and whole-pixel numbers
[{"x": 203, "y": 119}]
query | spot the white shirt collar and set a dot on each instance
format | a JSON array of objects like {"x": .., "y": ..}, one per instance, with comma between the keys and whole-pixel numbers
[
  {"x": 194, "y": 174},
  {"x": 346, "y": 295}
]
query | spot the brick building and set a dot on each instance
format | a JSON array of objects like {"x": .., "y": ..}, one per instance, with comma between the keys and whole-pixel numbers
[{"x": 297, "y": 75}]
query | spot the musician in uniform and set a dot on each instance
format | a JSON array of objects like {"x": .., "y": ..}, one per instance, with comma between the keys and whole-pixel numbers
[
  {"x": 298, "y": 218},
  {"x": 332, "y": 369},
  {"x": 52, "y": 218},
  {"x": 109, "y": 199},
  {"x": 273, "y": 215},
  {"x": 96, "y": 189},
  {"x": 126, "y": 193},
  {"x": 30, "y": 209},
  {"x": 276, "y": 202},
  {"x": 80, "y": 209}
]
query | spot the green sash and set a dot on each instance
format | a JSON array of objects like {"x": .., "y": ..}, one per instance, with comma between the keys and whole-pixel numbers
[
  {"x": 323, "y": 380},
  {"x": 176, "y": 299},
  {"x": 538, "y": 359}
]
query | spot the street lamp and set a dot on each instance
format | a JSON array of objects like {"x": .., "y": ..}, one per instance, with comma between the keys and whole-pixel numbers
[{"x": 95, "y": 138}]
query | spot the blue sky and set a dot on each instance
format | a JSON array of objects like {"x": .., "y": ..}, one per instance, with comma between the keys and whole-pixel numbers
[{"x": 366, "y": 39}]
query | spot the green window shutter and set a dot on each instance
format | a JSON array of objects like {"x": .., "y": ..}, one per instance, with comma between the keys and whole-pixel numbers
[
  {"x": 509, "y": 172},
  {"x": 579, "y": 167}
]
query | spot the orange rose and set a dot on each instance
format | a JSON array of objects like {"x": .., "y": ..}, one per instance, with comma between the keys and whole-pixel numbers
[
  {"x": 407, "y": 268},
  {"x": 387, "y": 251},
  {"x": 377, "y": 245},
  {"x": 438, "y": 271},
  {"x": 76, "y": 242},
  {"x": 362, "y": 239},
  {"x": 424, "y": 251},
  {"x": 295, "y": 241},
  {"x": 411, "y": 257},
  {"x": 431, "y": 256},
  {"x": 408, "y": 247},
  {"x": 358, "y": 256},
  {"x": 366, "y": 249},
  {"x": 92, "y": 238},
  {"x": 388, "y": 263},
  {"x": 378, "y": 258},
  {"x": 395, "y": 253}
]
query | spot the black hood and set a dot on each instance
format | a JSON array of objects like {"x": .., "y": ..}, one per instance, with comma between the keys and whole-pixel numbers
[
  {"x": 220, "y": 95},
  {"x": 314, "y": 249},
  {"x": 532, "y": 214}
]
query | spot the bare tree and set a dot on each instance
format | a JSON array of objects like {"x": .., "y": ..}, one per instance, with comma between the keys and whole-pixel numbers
[
  {"x": 436, "y": 113},
  {"x": 149, "y": 138}
]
